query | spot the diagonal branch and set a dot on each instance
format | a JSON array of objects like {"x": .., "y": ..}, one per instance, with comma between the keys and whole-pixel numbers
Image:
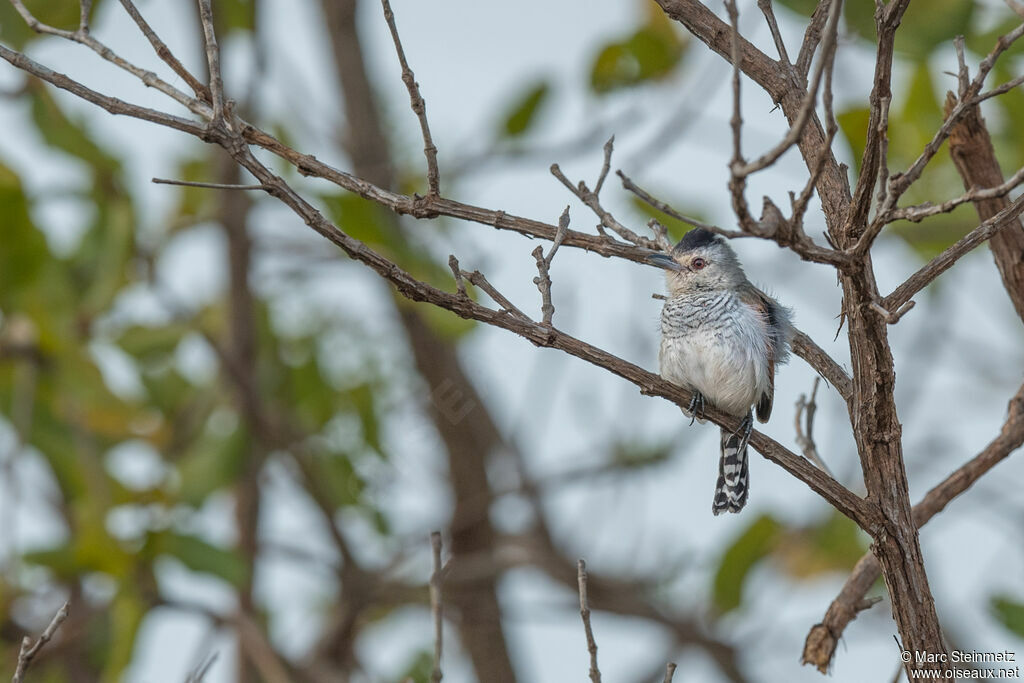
[
  {"x": 212, "y": 60},
  {"x": 821, "y": 642},
  {"x": 938, "y": 265}
]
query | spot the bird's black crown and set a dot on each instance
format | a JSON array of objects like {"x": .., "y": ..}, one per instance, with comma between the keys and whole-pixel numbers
[{"x": 695, "y": 239}]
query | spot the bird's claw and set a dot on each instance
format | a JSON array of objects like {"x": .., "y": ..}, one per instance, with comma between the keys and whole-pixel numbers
[{"x": 696, "y": 407}]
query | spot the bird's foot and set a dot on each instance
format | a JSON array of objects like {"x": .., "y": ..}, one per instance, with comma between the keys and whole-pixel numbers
[
  {"x": 744, "y": 431},
  {"x": 696, "y": 407}
]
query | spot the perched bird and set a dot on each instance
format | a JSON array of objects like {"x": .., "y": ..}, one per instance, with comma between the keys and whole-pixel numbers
[{"x": 721, "y": 338}]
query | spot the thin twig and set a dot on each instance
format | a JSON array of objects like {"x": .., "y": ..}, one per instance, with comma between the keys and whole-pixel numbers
[
  {"x": 666, "y": 209},
  {"x": 806, "y": 408},
  {"x": 435, "y": 604},
  {"x": 938, "y": 265},
  {"x": 199, "y": 673},
  {"x": 418, "y": 105},
  {"x": 590, "y": 198},
  {"x": 606, "y": 166},
  {"x": 780, "y": 46},
  {"x": 919, "y": 212},
  {"x": 211, "y": 186},
  {"x": 29, "y": 650},
  {"x": 581, "y": 580},
  {"x": 164, "y": 53},
  {"x": 670, "y": 672},
  {"x": 460, "y": 284},
  {"x": 84, "y": 8},
  {"x": 543, "y": 279},
  {"x": 477, "y": 278},
  {"x": 812, "y": 37},
  {"x": 212, "y": 60},
  {"x": 806, "y": 109}
]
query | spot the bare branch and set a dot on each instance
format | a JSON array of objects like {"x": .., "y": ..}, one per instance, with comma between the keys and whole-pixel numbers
[
  {"x": 435, "y": 604},
  {"x": 84, "y": 8},
  {"x": 29, "y": 650},
  {"x": 900, "y": 183},
  {"x": 111, "y": 104},
  {"x": 510, "y": 318},
  {"x": 543, "y": 279},
  {"x": 591, "y": 199},
  {"x": 816, "y": 357},
  {"x": 165, "y": 54},
  {"x": 796, "y": 130},
  {"x": 460, "y": 284},
  {"x": 581, "y": 578},
  {"x": 938, "y": 265},
  {"x": 212, "y": 60},
  {"x": 805, "y": 428},
  {"x": 670, "y": 672},
  {"x": 919, "y": 212},
  {"x": 812, "y": 37},
  {"x": 212, "y": 186},
  {"x": 606, "y": 166},
  {"x": 780, "y": 46},
  {"x": 821, "y": 642},
  {"x": 419, "y": 106},
  {"x": 666, "y": 209}
]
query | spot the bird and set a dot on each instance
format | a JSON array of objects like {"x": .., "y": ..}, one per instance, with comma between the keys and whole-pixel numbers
[{"x": 721, "y": 338}]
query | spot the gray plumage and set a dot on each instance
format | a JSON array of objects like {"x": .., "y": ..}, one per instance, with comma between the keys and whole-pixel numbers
[{"x": 722, "y": 338}]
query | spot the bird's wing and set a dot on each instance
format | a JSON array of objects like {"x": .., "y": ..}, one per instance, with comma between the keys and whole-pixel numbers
[{"x": 763, "y": 305}]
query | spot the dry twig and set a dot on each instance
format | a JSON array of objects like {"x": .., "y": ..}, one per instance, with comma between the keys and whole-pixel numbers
[
  {"x": 435, "y": 604},
  {"x": 419, "y": 106},
  {"x": 581, "y": 578},
  {"x": 29, "y": 650}
]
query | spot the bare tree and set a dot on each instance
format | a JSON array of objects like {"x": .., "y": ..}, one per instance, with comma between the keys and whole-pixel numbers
[{"x": 855, "y": 217}]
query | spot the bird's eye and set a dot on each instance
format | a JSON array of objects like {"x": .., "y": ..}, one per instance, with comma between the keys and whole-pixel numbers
[{"x": 698, "y": 263}]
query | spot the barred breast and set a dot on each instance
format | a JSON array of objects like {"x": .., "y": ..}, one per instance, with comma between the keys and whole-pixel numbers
[{"x": 717, "y": 345}]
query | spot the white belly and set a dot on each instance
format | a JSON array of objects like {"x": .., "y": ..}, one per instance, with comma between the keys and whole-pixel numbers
[{"x": 728, "y": 364}]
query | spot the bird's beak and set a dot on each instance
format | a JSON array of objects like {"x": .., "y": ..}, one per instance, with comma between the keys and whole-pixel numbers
[{"x": 664, "y": 261}]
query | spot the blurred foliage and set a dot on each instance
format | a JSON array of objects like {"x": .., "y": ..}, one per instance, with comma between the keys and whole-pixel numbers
[
  {"x": 62, "y": 307},
  {"x": 523, "y": 113},
  {"x": 832, "y": 544},
  {"x": 650, "y": 53},
  {"x": 1010, "y": 613}
]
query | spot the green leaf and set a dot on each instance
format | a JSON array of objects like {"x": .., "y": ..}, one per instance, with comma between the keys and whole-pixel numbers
[
  {"x": 24, "y": 248},
  {"x": 752, "y": 546},
  {"x": 236, "y": 15},
  {"x": 361, "y": 400},
  {"x": 982, "y": 43},
  {"x": 152, "y": 343},
  {"x": 676, "y": 228},
  {"x": 925, "y": 25},
  {"x": 62, "y": 133},
  {"x": 201, "y": 556},
  {"x": 804, "y": 7},
  {"x": 523, "y": 113},
  {"x": 360, "y": 218},
  {"x": 211, "y": 463},
  {"x": 834, "y": 544},
  {"x": 126, "y": 614},
  {"x": 928, "y": 25},
  {"x": 14, "y": 32},
  {"x": 1010, "y": 613},
  {"x": 651, "y": 53},
  {"x": 338, "y": 478},
  {"x": 854, "y": 125}
]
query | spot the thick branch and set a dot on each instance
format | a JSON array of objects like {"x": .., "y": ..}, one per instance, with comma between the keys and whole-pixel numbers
[{"x": 821, "y": 642}]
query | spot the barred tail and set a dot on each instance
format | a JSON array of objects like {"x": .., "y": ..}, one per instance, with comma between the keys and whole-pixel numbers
[{"x": 733, "y": 473}]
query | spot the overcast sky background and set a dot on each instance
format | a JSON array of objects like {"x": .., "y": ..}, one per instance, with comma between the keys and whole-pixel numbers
[{"x": 959, "y": 353}]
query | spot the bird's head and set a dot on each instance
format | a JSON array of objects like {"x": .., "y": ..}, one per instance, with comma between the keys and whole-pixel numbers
[{"x": 702, "y": 261}]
